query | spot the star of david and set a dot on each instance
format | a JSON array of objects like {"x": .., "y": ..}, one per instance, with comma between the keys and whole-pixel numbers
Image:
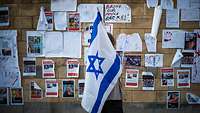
[{"x": 95, "y": 64}]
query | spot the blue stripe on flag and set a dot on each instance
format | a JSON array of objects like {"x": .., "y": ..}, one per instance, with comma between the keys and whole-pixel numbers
[
  {"x": 109, "y": 76},
  {"x": 95, "y": 27}
]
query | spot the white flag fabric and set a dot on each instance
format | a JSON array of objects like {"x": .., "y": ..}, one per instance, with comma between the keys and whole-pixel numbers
[
  {"x": 102, "y": 71},
  {"x": 42, "y": 22}
]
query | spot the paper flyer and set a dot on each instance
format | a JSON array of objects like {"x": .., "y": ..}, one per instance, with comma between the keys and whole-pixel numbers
[
  {"x": 173, "y": 99},
  {"x": 60, "y": 20},
  {"x": 150, "y": 42},
  {"x": 51, "y": 88},
  {"x": 154, "y": 60},
  {"x": 190, "y": 41},
  {"x": 29, "y": 66},
  {"x": 132, "y": 60},
  {"x": 81, "y": 84},
  {"x": 148, "y": 81},
  {"x": 4, "y": 96},
  {"x": 49, "y": 17},
  {"x": 172, "y": 18},
  {"x": 4, "y": 16},
  {"x": 36, "y": 92},
  {"x": 167, "y": 4},
  {"x": 183, "y": 78},
  {"x": 176, "y": 62},
  {"x": 42, "y": 24},
  {"x": 167, "y": 76},
  {"x": 16, "y": 95},
  {"x": 48, "y": 68},
  {"x": 196, "y": 69},
  {"x": 68, "y": 88},
  {"x": 132, "y": 76},
  {"x": 187, "y": 59},
  {"x": 63, "y": 5},
  {"x": 192, "y": 98},
  {"x": 72, "y": 66},
  {"x": 74, "y": 21}
]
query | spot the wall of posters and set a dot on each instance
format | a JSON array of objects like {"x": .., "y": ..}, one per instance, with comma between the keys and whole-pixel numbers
[
  {"x": 68, "y": 88},
  {"x": 29, "y": 66},
  {"x": 183, "y": 78},
  {"x": 48, "y": 69},
  {"x": 4, "y": 16},
  {"x": 173, "y": 99},
  {"x": 132, "y": 76},
  {"x": 36, "y": 92},
  {"x": 117, "y": 13},
  {"x": 167, "y": 77},
  {"x": 74, "y": 21},
  {"x": 72, "y": 66},
  {"x": 153, "y": 60},
  {"x": 148, "y": 81},
  {"x": 16, "y": 95},
  {"x": 51, "y": 88},
  {"x": 81, "y": 84},
  {"x": 132, "y": 60},
  {"x": 4, "y": 98}
]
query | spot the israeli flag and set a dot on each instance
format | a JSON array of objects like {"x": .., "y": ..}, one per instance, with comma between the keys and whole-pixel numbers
[{"x": 102, "y": 71}]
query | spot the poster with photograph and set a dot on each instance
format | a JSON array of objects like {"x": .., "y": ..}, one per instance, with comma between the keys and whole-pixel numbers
[
  {"x": 4, "y": 16},
  {"x": 81, "y": 84},
  {"x": 117, "y": 13},
  {"x": 72, "y": 66},
  {"x": 190, "y": 41},
  {"x": 148, "y": 81},
  {"x": 48, "y": 67},
  {"x": 192, "y": 98},
  {"x": 167, "y": 76},
  {"x": 51, "y": 88},
  {"x": 29, "y": 66},
  {"x": 49, "y": 17},
  {"x": 132, "y": 60},
  {"x": 154, "y": 60},
  {"x": 173, "y": 99},
  {"x": 35, "y": 92},
  {"x": 16, "y": 96},
  {"x": 4, "y": 98},
  {"x": 196, "y": 68},
  {"x": 34, "y": 43},
  {"x": 187, "y": 59},
  {"x": 198, "y": 38},
  {"x": 68, "y": 88},
  {"x": 74, "y": 21},
  {"x": 132, "y": 76},
  {"x": 183, "y": 78}
]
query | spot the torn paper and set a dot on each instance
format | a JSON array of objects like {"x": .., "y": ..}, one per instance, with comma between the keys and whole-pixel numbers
[
  {"x": 151, "y": 42},
  {"x": 42, "y": 22},
  {"x": 153, "y": 60},
  {"x": 192, "y": 99},
  {"x": 156, "y": 21},
  {"x": 172, "y": 18},
  {"x": 152, "y": 3},
  {"x": 177, "y": 58}
]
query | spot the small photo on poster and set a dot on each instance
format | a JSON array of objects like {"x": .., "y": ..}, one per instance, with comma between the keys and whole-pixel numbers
[
  {"x": 81, "y": 84},
  {"x": 4, "y": 16},
  {"x": 132, "y": 60},
  {"x": 68, "y": 88},
  {"x": 5, "y": 48},
  {"x": 4, "y": 98},
  {"x": 49, "y": 17},
  {"x": 173, "y": 99},
  {"x": 48, "y": 67},
  {"x": 51, "y": 88},
  {"x": 74, "y": 21},
  {"x": 190, "y": 41},
  {"x": 36, "y": 91},
  {"x": 29, "y": 67},
  {"x": 132, "y": 78},
  {"x": 72, "y": 66},
  {"x": 187, "y": 59},
  {"x": 167, "y": 76},
  {"x": 16, "y": 96},
  {"x": 183, "y": 78},
  {"x": 148, "y": 81}
]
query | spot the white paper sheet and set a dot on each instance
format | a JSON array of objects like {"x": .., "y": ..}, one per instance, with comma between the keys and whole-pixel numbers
[
  {"x": 167, "y": 4},
  {"x": 156, "y": 21},
  {"x": 153, "y": 60},
  {"x": 190, "y": 15},
  {"x": 42, "y": 22},
  {"x": 173, "y": 38},
  {"x": 88, "y": 12},
  {"x": 72, "y": 44},
  {"x": 53, "y": 45},
  {"x": 192, "y": 99},
  {"x": 172, "y": 18},
  {"x": 51, "y": 88},
  {"x": 194, "y": 4},
  {"x": 196, "y": 69},
  {"x": 177, "y": 58},
  {"x": 151, "y": 42},
  {"x": 198, "y": 39},
  {"x": 63, "y": 5},
  {"x": 183, "y": 4},
  {"x": 60, "y": 20},
  {"x": 117, "y": 13},
  {"x": 131, "y": 42},
  {"x": 152, "y": 3}
]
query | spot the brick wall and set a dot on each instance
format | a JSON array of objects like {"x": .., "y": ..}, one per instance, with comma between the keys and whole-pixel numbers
[{"x": 24, "y": 16}]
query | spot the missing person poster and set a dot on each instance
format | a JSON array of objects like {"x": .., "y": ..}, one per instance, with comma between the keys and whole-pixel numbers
[
  {"x": 36, "y": 91},
  {"x": 16, "y": 96},
  {"x": 49, "y": 17},
  {"x": 48, "y": 68},
  {"x": 51, "y": 88},
  {"x": 81, "y": 84},
  {"x": 190, "y": 41},
  {"x": 68, "y": 88},
  {"x": 187, "y": 59},
  {"x": 148, "y": 81},
  {"x": 173, "y": 99},
  {"x": 29, "y": 66},
  {"x": 183, "y": 78},
  {"x": 132, "y": 60},
  {"x": 72, "y": 68},
  {"x": 132, "y": 78},
  {"x": 4, "y": 98},
  {"x": 74, "y": 21},
  {"x": 167, "y": 76}
]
